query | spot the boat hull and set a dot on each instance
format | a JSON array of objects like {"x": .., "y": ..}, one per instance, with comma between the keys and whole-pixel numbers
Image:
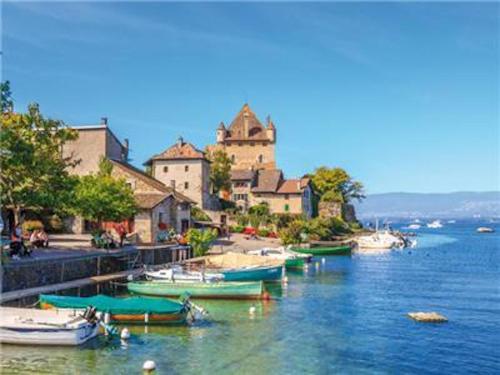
[
  {"x": 52, "y": 336},
  {"x": 295, "y": 263},
  {"x": 222, "y": 290},
  {"x": 336, "y": 250},
  {"x": 257, "y": 274}
]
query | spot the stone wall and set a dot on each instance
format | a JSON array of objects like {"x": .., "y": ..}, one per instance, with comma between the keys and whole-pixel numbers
[
  {"x": 336, "y": 209},
  {"x": 278, "y": 202},
  {"x": 246, "y": 154},
  {"x": 35, "y": 273}
]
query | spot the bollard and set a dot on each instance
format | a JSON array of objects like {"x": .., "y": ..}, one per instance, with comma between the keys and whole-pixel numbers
[{"x": 125, "y": 334}]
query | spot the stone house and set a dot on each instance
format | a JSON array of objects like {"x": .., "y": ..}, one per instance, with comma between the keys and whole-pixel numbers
[
  {"x": 250, "y": 188},
  {"x": 157, "y": 203},
  {"x": 94, "y": 142},
  {"x": 185, "y": 169},
  {"x": 254, "y": 176}
]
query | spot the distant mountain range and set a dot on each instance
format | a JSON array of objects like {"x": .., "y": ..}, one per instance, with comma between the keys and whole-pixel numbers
[{"x": 420, "y": 205}]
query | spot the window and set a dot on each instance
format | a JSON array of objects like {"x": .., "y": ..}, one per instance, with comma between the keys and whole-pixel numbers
[
  {"x": 287, "y": 196},
  {"x": 165, "y": 169},
  {"x": 161, "y": 217},
  {"x": 261, "y": 158},
  {"x": 186, "y": 168},
  {"x": 287, "y": 207},
  {"x": 172, "y": 184},
  {"x": 233, "y": 158},
  {"x": 240, "y": 197},
  {"x": 186, "y": 185},
  {"x": 240, "y": 184},
  {"x": 264, "y": 144},
  {"x": 240, "y": 144},
  {"x": 252, "y": 144}
]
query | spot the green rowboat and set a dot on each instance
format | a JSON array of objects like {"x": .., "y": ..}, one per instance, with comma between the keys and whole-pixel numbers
[
  {"x": 220, "y": 290},
  {"x": 295, "y": 262},
  {"x": 335, "y": 250}
]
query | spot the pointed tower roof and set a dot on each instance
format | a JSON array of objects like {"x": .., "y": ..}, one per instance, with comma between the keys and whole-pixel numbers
[
  {"x": 236, "y": 131},
  {"x": 221, "y": 126}
]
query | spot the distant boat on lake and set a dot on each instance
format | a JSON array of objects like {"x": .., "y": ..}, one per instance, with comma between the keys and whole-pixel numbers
[
  {"x": 435, "y": 224},
  {"x": 485, "y": 230}
]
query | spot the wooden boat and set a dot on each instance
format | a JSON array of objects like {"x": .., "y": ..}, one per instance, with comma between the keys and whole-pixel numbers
[
  {"x": 292, "y": 260},
  {"x": 334, "y": 250},
  {"x": 241, "y": 267},
  {"x": 255, "y": 273},
  {"x": 220, "y": 290},
  {"x": 138, "y": 310},
  {"x": 44, "y": 327},
  {"x": 177, "y": 273}
]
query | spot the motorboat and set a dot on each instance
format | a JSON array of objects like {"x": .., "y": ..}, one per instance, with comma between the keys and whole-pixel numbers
[
  {"x": 485, "y": 230},
  {"x": 380, "y": 240},
  {"x": 436, "y": 224},
  {"x": 414, "y": 226},
  {"x": 25, "y": 326},
  {"x": 177, "y": 273}
]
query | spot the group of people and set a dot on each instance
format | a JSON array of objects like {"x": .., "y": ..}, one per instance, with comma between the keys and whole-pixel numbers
[{"x": 18, "y": 247}]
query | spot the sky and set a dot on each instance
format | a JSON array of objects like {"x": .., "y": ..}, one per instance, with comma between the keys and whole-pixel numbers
[{"x": 404, "y": 96}]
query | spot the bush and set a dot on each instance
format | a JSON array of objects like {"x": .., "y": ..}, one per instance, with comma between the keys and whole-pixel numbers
[
  {"x": 197, "y": 214},
  {"x": 254, "y": 221},
  {"x": 264, "y": 232},
  {"x": 355, "y": 225},
  {"x": 293, "y": 233},
  {"x": 200, "y": 240},
  {"x": 31, "y": 225},
  {"x": 261, "y": 209},
  {"x": 283, "y": 220},
  {"x": 319, "y": 229},
  {"x": 236, "y": 228},
  {"x": 241, "y": 219}
]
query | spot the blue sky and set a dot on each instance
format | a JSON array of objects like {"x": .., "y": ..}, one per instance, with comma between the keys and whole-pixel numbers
[{"x": 405, "y": 96}]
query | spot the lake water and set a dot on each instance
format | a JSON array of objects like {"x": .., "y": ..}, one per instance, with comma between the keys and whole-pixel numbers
[{"x": 346, "y": 316}]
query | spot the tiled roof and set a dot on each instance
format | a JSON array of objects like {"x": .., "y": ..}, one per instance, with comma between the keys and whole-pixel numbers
[
  {"x": 268, "y": 181},
  {"x": 180, "y": 150},
  {"x": 153, "y": 182},
  {"x": 236, "y": 130},
  {"x": 242, "y": 174},
  {"x": 149, "y": 200}
]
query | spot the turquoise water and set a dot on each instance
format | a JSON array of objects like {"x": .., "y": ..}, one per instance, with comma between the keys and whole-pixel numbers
[{"x": 346, "y": 316}]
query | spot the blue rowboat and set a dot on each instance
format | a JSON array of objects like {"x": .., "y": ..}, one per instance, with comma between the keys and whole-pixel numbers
[{"x": 272, "y": 273}]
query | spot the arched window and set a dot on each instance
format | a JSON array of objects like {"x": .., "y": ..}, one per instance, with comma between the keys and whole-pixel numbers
[{"x": 261, "y": 159}]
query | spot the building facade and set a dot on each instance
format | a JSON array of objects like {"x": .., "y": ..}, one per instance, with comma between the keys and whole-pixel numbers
[
  {"x": 156, "y": 202},
  {"x": 185, "y": 169},
  {"x": 255, "y": 177}
]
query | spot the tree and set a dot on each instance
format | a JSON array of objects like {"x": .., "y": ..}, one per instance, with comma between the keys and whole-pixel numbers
[
  {"x": 294, "y": 233},
  {"x": 34, "y": 173},
  {"x": 220, "y": 171},
  {"x": 200, "y": 240},
  {"x": 101, "y": 197},
  {"x": 6, "y": 98},
  {"x": 335, "y": 185}
]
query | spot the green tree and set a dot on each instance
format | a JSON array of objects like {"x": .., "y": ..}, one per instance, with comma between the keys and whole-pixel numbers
[
  {"x": 101, "y": 197},
  {"x": 220, "y": 171},
  {"x": 335, "y": 184},
  {"x": 34, "y": 173},
  {"x": 261, "y": 209},
  {"x": 6, "y": 98},
  {"x": 200, "y": 240}
]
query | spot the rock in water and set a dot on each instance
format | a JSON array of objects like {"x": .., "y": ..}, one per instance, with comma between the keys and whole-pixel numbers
[{"x": 428, "y": 317}]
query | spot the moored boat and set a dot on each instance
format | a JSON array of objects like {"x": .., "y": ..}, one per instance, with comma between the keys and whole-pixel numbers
[
  {"x": 436, "y": 224},
  {"x": 292, "y": 260},
  {"x": 241, "y": 267},
  {"x": 380, "y": 240},
  {"x": 485, "y": 230},
  {"x": 45, "y": 327},
  {"x": 219, "y": 290},
  {"x": 179, "y": 274},
  {"x": 124, "y": 310},
  {"x": 331, "y": 250}
]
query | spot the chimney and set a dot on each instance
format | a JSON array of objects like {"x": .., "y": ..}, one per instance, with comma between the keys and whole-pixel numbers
[
  {"x": 172, "y": 184},
  {"x": 180, "y": 142},
  {"x": 104, "y": 121},
  {"x": 126, "y": 143}
]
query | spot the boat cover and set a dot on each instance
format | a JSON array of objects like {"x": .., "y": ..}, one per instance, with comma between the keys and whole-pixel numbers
[
  {"x": 112, "y": 305},
  {"x": 237, "y": 260}
]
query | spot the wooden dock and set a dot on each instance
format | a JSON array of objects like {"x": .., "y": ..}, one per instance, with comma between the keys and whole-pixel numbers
[{"x": 30, "y": 292}]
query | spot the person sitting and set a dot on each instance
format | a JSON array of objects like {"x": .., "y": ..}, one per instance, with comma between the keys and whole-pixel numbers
[
  {"x": 17, "y": 246},
  {"x": 39, "y": 238}
]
